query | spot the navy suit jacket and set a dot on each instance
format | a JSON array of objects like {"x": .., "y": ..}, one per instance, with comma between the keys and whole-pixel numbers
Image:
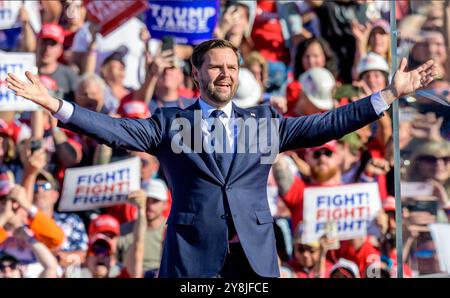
[{"x": 196, "y": 239}]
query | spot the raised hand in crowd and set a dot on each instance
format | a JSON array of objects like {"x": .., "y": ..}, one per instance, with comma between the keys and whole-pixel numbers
[
  {"x": 376, "y": 167},
  {"x": 145, "y": 36},
  {"x": 33, "y": 161},
  {"x": 229, "y": 19},
  {"x": 361, "y": 33},
  {"x": 427, "y": 126},
  {"x": 28, "y": 37},
  {"x": 163, "y": 60},
  {"x": 19, "y": 195},
  {"x": 364, "y": 89},
  {"x": 303, "y": 167},
  {"x": 279, "y": 103},
  {"x": 23, "y": 17},
  {"x": 6, "y": 212},
  {"x": 440, "y": 193},
  {"x": 134, "y": 258},
  {"x": 155, "y": 68},
  {"x": 90, "y": 57},
  {"x": 42, "y": 252},
  {"x": 139, "y": 198}
]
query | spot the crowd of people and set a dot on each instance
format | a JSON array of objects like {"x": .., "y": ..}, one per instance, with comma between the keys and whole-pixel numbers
[{"x": 301, "y": 58}]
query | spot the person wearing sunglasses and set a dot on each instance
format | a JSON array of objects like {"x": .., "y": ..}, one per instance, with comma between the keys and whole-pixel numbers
[
  {"x": 431, "y": 162},
  {"x": 324, "y": 162},
  {"x": 10, "y": 267},
  {"x": 45, "y": 197}
]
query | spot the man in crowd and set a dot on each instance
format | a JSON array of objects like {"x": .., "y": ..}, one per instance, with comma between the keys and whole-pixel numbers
[
  {"x": 49, "y": 49},
  {"x": 157, "y": 195}
]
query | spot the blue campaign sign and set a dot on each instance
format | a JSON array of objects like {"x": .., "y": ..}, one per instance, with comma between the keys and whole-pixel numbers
[
  {"x": 9, "y": 38},
  {"x": 189, "y": 22}
]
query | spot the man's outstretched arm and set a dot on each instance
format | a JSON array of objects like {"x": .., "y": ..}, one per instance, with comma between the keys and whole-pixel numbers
[
  {"x": 133, "y": 134},
  {"x": 317, "y": 129}
]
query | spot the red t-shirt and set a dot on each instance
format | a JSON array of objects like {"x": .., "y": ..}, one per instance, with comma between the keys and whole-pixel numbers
[
  {"x": 267, "y": 34},
  {"x": 294, "y": 201},
  {"x": 293, "y": 90},
  {"x": 363, "y": 256}
]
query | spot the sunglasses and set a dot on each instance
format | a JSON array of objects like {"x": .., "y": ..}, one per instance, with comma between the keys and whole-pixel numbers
[
  {"x": 11, "y": 265},
  {"x": 433, "y": 159},
  {"x": 317, "y": 154},
  {"x": 43, "y": 186}
]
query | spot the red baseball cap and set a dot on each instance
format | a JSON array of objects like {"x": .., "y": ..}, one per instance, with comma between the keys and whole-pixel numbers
[
  {"x": 104, "y": 223},
  {"x": 134, "y": 109},
  {"x": 331, "y": 145},
  {"x": 52, "y": 31}
]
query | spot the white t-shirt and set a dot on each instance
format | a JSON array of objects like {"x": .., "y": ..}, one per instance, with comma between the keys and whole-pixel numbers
[{"x": 128, "y": 35}]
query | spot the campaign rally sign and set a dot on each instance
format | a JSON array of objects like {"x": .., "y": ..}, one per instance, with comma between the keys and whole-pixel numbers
[
  {"x": 93, "y": 187},
  {"x": 189, "y": 22},
  {"x": 111, "y": 14},
  {"x": 10, "y": 26},
  {"x": 352, "y": 207},
  {"x": 440, "y": 232},
  {"x": 16, "y": 63}
]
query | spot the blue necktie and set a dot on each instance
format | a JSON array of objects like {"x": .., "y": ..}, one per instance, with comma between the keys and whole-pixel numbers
[
  {"x": 222, "y": 158},
  {"x": 223, "y": 161}
]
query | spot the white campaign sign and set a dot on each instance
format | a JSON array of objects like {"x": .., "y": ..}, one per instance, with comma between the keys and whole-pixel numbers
[
  {"x": 350, "y": 206},
  {"x": 93, "y": 187},
  {"x": 9, "y": 12},
  {"x": 440, "y": 234},
  {"x": 16, "y": 63}
]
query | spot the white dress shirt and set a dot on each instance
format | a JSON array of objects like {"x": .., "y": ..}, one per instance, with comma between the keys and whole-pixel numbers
[{"x": 226, "y": 118}]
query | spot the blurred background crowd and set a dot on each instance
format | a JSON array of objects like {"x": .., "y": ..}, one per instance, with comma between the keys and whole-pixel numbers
[{"x": 301, "y": 58}]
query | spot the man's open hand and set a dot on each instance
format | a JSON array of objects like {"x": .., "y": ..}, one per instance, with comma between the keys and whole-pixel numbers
[
  {"x": 407, "y": 82},
  {"x": 33, "y": 90}
]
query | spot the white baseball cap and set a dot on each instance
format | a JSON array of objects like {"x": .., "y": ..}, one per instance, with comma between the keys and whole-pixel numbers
[
  {"x": 249, "y": 91},
  {"x": 372, "y": 61},
  {"x": 318, "y": 84},
  {"x": 156, "y": 188},
  {"x": 346, "y": 264}
]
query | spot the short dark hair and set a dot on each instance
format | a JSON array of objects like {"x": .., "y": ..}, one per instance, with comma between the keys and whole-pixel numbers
[{"x": 201, "y": 49}]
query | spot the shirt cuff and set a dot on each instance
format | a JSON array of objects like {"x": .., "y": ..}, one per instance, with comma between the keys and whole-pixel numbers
[
  {"x": 378, "y": 103},
  {"x": 65, "y": 112}
]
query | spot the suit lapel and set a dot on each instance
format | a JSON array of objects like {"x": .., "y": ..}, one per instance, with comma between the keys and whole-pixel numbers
[{"x": 208, "y": 159}]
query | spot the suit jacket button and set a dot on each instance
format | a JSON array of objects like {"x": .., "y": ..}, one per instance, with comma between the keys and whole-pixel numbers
[{"x": 228, "y": 188}]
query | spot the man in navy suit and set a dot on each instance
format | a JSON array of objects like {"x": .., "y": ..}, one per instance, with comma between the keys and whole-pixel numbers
[{"x": 217, "y": 158}]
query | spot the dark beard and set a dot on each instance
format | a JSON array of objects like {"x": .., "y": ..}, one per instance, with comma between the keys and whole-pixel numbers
[
  {"x": 215, "y": 97},
  {"x": 323, "y": 176}
]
